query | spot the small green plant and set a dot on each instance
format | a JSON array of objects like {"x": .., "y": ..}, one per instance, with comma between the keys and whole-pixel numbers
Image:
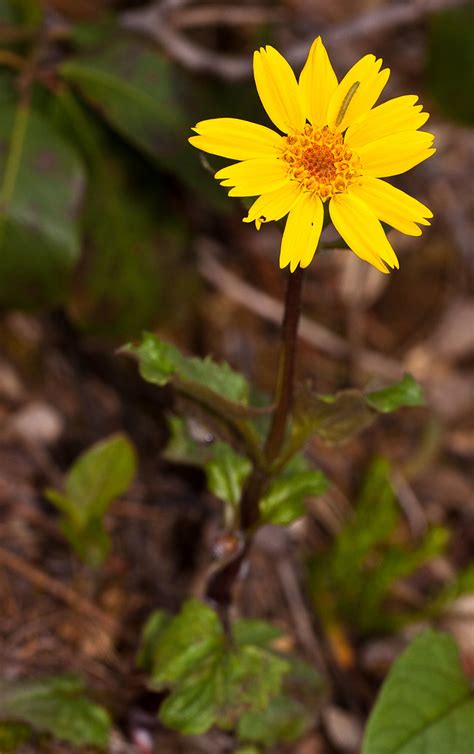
[
  {"x": 220, "y": 672},
  {"x": 354, "y": 580},
  {"x": 94, "y": 481},
  {"x": 56, "y": 705}
]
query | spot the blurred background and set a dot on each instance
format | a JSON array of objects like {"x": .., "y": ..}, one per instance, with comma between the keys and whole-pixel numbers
[{"x": 111, "y": 224}]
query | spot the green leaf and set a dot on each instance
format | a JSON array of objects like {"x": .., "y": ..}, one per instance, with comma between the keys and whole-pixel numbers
[
  {"x": 41, "y": 184},
  {"x": 425, "y": 705},
  {"x": 100, "y": 475},
  {"x": 190, "y": 638},
  {"x": 451, "y": 61},
  {"x": 221, "y": 690},
  {"x": 152, "y": 631},
  {"x": 289, "y": 715},
  {"x": 284, "y": 720},
  {"x": 135, "y": 89},
  {"x": 135, "y": 238},
  {"x": 161, "y": 363},
  {"x": 226, "y": 474},
  {"x": 91, "y": 541},
  {"x": 254, "y": 631},
  {"x": 213, "y": 681},
  {"x": 333, "y": 418},
  {"x": 56, "y": 705},
  {"x": 285, "y": 500},
  {"x": 407, "y": 392},
  {"x": 95, "y": 480}
]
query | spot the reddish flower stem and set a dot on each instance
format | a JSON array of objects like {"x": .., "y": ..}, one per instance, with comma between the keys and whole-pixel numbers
[{"x": 220, "y": 588}]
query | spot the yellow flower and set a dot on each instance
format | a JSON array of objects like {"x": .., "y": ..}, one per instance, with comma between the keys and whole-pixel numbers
[{"x": 336, "y": 147}]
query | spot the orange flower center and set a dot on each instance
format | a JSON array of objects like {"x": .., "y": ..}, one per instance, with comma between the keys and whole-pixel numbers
[{"x": 320, "y": 161}]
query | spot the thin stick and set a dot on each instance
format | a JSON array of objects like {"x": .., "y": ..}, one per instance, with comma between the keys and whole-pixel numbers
[{"x": 57, "y": 590}]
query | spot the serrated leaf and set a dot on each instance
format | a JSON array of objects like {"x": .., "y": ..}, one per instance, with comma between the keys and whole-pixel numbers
[
  {"x": 41, "y": 185},
  {"x": 57, "y": 705},
  {"x": 425, "y": 705},
  {"x": 407, "y": 392},
  {"x": 189, "y": 639},
  {"x": 333, "y": 418},
  {"x": 254, "y": 631},
  {"x": 212, "y": 680},
  {"x": 221, "y": 690},
  {"x": 284, "y": 720},
  {"x": 285, "y": 500},
  {"x": 161, "y": 362}
]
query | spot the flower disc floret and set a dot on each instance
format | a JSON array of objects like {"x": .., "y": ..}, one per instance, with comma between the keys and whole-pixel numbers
[{"x": 320, "y": 162}]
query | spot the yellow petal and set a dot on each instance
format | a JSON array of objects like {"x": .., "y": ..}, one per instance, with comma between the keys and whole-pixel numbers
[
  {"x": 392, "y": 206},
  {"x": 302, "y": 232},
  {"x": 396, "y": 153},
  {"x": 235, "y": 139},
  {"x": 357, "y": 93},
  {"x": 318, "y": 83},
  {"x": 399, "y": 114},
  {"x": 278, "y": 90},
  {"x": 362, "y": 232},
  {"x": 251, "y": 177},
  {"x": 275, "y": 205}
]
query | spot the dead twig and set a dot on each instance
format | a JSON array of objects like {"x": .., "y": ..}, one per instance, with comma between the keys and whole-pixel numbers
[
  {"x": 157, "y": 21},
  {"x": 58, "y": 590},
  {"x": 227, "y": 15},
  {"x": 299, "y": 613}
]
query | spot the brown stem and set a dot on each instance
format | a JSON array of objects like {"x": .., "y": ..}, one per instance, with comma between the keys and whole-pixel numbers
[
  {"x": 221, "y": 585},
  {"x": 286, "y": 366}
]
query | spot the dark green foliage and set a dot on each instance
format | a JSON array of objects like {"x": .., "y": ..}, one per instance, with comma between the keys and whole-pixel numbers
[
  {"x": 426, "y": 703},
  {"x": 451, "y": 61},
  {"x": 42, "y": 182},
  {"x": 56, "y": 705}
]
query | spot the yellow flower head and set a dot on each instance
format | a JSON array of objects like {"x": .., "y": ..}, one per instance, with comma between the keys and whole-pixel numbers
[{"x": 335, "y": 148}]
